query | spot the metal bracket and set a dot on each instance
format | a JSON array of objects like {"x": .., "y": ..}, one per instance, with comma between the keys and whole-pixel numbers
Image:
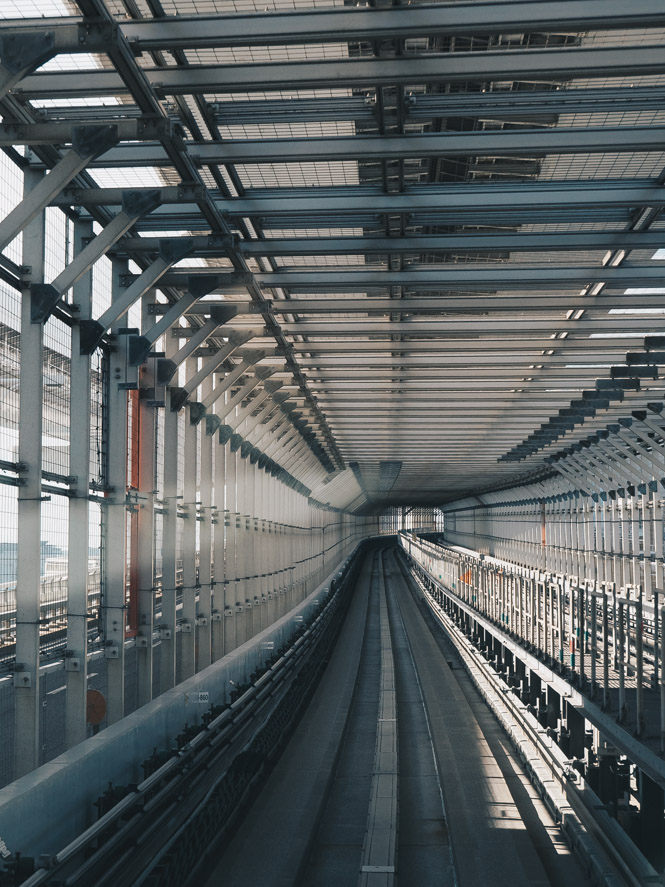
[
  {"x": 175, "y": 248},
  {"x": 197, "y": 411},
  {"x": 91, "y": 140},
  {"x": 25, "y": 51},
  {"x": 140, "y": 202},
  {"x": 91, "y": 334},
  {"x": 212, "y": 424},
  {"x": 225, "y": 434},
  {"x": 178, "y": 398},
  {"x": 44, "y": 298},
  {"x": 166, "y": 370}
]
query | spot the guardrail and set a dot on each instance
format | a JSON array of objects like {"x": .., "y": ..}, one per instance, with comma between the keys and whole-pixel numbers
[
  {"x": 142, "y": 828},
  {"x": 605, "y": 848}
]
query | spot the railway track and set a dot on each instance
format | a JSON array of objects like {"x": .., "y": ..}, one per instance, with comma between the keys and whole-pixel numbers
[
  {"x": 419, "y": 786},
  {"x": 396, "y": 771}
]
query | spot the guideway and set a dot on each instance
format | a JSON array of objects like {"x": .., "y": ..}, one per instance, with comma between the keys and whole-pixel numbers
[{"x": 397, "y": 772}]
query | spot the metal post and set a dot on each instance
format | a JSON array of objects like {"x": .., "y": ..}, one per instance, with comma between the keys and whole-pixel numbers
[
  {"x": 146, "y": 529},
  {"x": 189, "y": 565},
  {"x": 114, "y": 601},
  {"x": 167, "y": 658},
  {"x": 581, "y": 627},
  {"x": 639, "y": 655},
  {"x": 230, "y": 568},
  {"x": 594, "y": 642},
  {"x": 241, "y": 547},
  {"x": 204, "y": 610},
  {"x": 217, "y": 640},
  {"x": 662, "y": 693},
  {"x": 26, "y": 670},
  {"x": 622, "y": 665},
  {"x": 606, "y": 654},
  {"x": 79, "y": 530},
  {"x": 657, "y": 649}
]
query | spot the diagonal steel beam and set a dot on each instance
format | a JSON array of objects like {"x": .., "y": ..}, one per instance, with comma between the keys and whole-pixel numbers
[
  {"x": 249, "y": 360},
  {"x": 167, "y": 367},
  {"x": 134, "y": 206},
  {"x": 197, "y": 287},
  {"x": 88, "y": 143},
  {"x": 171, "y": 252}
]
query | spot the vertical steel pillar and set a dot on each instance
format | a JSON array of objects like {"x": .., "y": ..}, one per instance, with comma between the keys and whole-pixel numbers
[
  {"x": 251, "y": 585},
  {"x": 167, "y": 658},
  {"x": 230, "y": 545},
  {"x": 26, "y": 674},
  {"x": 189, "y": 565},
  {"x": 114, "y": 598},
  {"x": 146, "y": 526},
  {"x": 217, "y": 640},
  {"x": 204, "y": 611},
  {"x": 241, "y": 550},
  {"x": 76, "y": 663}
]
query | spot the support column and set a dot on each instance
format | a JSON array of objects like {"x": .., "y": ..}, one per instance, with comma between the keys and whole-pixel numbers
[
  {"x": 114, "y": 603},
  {"x": 189, "y": 577},
  {"x": 218, "y": 597},
  {"x": 204, "y": 612},
  {"x": 76, "y": 663},
  {"x": 230, "y": 568},
  {"x": 241, "y": 551},
  {"x": 167, "y": 659},
  {"x": 146, "y": 528},
  {"x": 28, "y": 583}
]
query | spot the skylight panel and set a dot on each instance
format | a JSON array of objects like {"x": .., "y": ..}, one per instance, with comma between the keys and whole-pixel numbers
[
  {"x": 128, "y": 177},
  {"x": 81, "y": 61}
]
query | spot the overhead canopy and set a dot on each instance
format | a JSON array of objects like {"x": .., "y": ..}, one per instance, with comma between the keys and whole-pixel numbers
[{"x": 442, "y": 223}]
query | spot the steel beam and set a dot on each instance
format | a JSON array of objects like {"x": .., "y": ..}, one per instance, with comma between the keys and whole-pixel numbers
[
  {"x": 134, "y": 206},
  {"x": 532, "y": 304},
  {"x": 128, "y": 129},
  {"x": 180, "y": 395},
  {"x": 25, "y": 45},
  {"x": 235, "y": 340},
  {"x": 79, "y": 508},
  {"x": 415, "y": 199},
  {"x": 455, "y": 67},
  {"x": 170, "y": 253},
  {"x": 270, "y": 388},
  {"x": 344, "y": 24},
  {"x": 472, "y": 241},
  {"x": 144, "y": 555},
  {"x": 88, "y": 142},
  {"x": 114, "y": 602},
  {"x": 540, "y": 104},
  {"x": 451, "y": 276},
  {"x": 470, "y": 325},
  {"x": 224, "y": 384},
  {"x": 27, "y": 701},
  {"x": 510, "y": 142}
]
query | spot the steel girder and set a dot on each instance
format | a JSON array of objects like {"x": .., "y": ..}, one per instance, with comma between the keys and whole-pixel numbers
[
  {"x": 472, "y": 242},
  {"x": 462, "y": 197},
  {"x": 485, "y": 143},
  {"x": 457, "y": 67},
  {"x": 446, "y": 277},
  {"x": 344, "y": 25}
]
